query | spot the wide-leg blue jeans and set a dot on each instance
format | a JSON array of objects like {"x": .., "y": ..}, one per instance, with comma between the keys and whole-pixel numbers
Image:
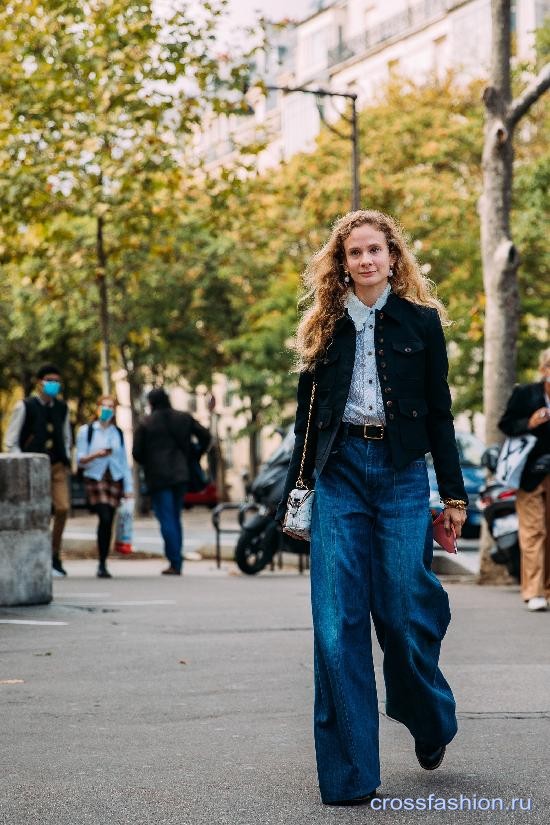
[{"x": 371, "y": 553}]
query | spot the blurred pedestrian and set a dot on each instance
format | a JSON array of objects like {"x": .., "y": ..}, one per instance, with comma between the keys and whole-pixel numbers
[
  {"x": 528, "y": 411},
  {"x": 101, "y": 453},
  {"x": 163, "y": 445},
  {"x": 373, "y": 386},
  {"x": 40, "y": 424}
]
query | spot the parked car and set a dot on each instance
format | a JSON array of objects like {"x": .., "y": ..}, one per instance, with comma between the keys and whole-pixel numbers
[{"x": 470, "y": 451}]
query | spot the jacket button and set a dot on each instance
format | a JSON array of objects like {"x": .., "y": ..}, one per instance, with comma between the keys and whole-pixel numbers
[
  {"x": 381, "y": 315},
  {"x": 408, "y": 349},
  {"x": 385, "y": 377},
  {"x": 380, "y": 352},
  {"x": 388, "y": 389},
  {"x": 389, "y": 403},
  {"x": 380, "y": 340},
  {"x": 414, "y": 413},
  {"x": 392, "y": 416},
  {"x": 383, "y": 365}
]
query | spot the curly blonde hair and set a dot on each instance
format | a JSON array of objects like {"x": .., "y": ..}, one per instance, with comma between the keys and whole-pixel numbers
[{"x": 324, "y": 282}]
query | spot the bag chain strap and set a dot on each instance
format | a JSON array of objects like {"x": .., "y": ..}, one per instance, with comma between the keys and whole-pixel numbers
[{"x": 301, "y": 483}]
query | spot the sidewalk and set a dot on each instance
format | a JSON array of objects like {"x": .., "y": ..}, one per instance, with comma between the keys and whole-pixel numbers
[
  {"x": 149, "y": 700},
  {"x": 200, "y": 537}
]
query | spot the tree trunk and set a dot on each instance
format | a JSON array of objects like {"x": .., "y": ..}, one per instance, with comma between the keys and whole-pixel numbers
[
  {"x": 135, "y": 388},
  {"x": 499, "y": 256},
  {"x": 101, "y": 278},
  {"x": 253, "y": 444}
]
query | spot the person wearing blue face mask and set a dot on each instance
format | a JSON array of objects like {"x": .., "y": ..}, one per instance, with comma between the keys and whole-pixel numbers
[
  {"x": 40, "y": 424},
  {"x": 101, "y": 453}
]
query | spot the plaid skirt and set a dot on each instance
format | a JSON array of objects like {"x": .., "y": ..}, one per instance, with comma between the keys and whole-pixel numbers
[{"x": 104, "y": 491}]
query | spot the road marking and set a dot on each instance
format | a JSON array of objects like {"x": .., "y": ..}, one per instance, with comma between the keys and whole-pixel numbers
[
  {"x": 85, "y": 595},
  {"x": 12, "y": 681},
  {"x": 31, "y": 621},
  {"x": 140, "y": 604}
]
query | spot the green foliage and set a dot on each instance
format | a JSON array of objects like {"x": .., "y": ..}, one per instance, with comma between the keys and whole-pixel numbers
[{"x": 98, "y": 102}]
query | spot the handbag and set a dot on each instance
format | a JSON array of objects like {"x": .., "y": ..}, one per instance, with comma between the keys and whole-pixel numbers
[
  {"x": 512, "y": 458},
  {"x": 448, "y": 543},
  {"x": 300, "y": 500}
]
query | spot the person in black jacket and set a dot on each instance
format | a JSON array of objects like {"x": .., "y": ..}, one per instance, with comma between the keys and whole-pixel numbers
[
  {"x": 371, "y": 348},
  {"x": 163, "y": 445},
  {"x": 528, "y": 411},
  {"x": 41, "y": 424}
]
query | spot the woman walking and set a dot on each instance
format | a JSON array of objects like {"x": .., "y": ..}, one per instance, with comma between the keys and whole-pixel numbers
[
  {"x": 100, "y": 451},
  {"x": 372, "y": 349}
]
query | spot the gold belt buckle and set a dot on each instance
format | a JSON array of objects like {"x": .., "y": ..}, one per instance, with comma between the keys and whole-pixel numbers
[{"x": 373, "y": 437}]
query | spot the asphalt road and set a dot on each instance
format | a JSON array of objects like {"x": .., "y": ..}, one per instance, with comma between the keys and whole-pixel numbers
[{"x": 188, "y": 701}]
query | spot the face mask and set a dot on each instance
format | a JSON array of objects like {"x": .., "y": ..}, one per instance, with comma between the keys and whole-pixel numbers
[
  {"x": 106, "y": 413},
  {"x": 51, "y": 388}
]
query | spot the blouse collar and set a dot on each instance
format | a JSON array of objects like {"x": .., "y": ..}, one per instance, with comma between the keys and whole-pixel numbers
[{"x": 359, "y": 312}]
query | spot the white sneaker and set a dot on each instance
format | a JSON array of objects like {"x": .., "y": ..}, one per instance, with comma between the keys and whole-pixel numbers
[
  {"x": 56, "y": 574},
  {"x": 537, "y": 603}
]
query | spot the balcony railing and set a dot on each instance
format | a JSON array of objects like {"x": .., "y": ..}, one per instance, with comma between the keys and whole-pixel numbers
[{"x": 395, "y": 26}]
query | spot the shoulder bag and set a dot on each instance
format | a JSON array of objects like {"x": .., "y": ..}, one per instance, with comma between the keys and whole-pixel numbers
[{"x": 300, "y": 500}]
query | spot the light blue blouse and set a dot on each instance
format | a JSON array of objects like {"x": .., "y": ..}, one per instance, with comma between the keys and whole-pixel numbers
[
  {"x": 117, "y": 462},
  {"x": 365, "y": 404}
]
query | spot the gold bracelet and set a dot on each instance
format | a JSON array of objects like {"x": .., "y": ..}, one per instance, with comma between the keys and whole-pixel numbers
[{"x": 457, "y": 503}]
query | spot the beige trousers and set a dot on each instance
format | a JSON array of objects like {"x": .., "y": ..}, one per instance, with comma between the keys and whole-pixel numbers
[
  {"x": 534, "y": 539},
  {"x": 61, "y": 504}
]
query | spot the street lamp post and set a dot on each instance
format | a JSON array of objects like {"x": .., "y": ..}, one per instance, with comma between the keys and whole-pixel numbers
[{"x": 353, "y": 136}]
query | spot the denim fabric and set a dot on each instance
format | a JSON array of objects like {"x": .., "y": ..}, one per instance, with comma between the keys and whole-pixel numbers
[
  {"x": 167, "y": 506},
  {"x": 371, "y": 551}
]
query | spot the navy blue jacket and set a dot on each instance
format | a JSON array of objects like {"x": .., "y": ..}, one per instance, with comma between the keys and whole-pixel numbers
[{"x": 412, "y": 366}]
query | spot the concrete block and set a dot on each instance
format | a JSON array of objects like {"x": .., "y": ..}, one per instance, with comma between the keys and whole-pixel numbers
[
  {"x": 25, "y": 501},
  {"x": 25, "y": 541},
  {"x": 25, "y": 567}
]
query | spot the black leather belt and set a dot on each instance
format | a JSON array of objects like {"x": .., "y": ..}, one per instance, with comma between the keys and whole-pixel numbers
[{"x": 375, "y": 432}]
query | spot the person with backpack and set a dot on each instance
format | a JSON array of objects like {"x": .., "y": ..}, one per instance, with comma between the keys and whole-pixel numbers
[
  {"x": 101, "y": 453},
  {"x": 163, "y": 445},
  {"x": 40, "y": 424}
]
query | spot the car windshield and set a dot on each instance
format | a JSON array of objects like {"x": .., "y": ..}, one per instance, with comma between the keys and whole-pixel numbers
[{"x": 470, "y": 450}]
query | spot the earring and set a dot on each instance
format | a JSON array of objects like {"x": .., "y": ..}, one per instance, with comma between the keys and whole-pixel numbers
[
  {"x": 391, "y": 273},
  {"x": 346, "y": 277}
]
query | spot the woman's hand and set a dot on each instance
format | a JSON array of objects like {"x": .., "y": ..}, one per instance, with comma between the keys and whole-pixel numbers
[
  {"x": 539, "y": 417},
  {"x": 456, "y": 517}
]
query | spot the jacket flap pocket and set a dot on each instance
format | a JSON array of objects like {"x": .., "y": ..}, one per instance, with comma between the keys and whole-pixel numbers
[
  {"x": 413, "y": 407},
  {"x": 324, "y": 415},
  {"x": 408, "y": 347}
]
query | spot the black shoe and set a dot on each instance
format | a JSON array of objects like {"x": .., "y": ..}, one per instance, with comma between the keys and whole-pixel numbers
[
  {"x": 58, "y": 567},
  {"x": 358, "y": 800},
  {"x": 171, "y": 571},
  {"x": 103, "y": 573},
  {"x": 430, "y": 761}
]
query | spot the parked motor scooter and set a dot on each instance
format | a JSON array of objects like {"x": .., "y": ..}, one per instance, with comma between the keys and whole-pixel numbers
[
  {"x": 262, "y": 537},
  {"x": 498, "y": 505}
]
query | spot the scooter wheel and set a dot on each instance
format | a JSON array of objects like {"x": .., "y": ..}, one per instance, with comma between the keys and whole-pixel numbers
[{"x": 251, "y": 553}]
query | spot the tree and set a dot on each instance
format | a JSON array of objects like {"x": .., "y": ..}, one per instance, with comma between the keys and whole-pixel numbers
[
  {"x": 97, "y": 100},
  {"x": 501, "y": 258}
]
